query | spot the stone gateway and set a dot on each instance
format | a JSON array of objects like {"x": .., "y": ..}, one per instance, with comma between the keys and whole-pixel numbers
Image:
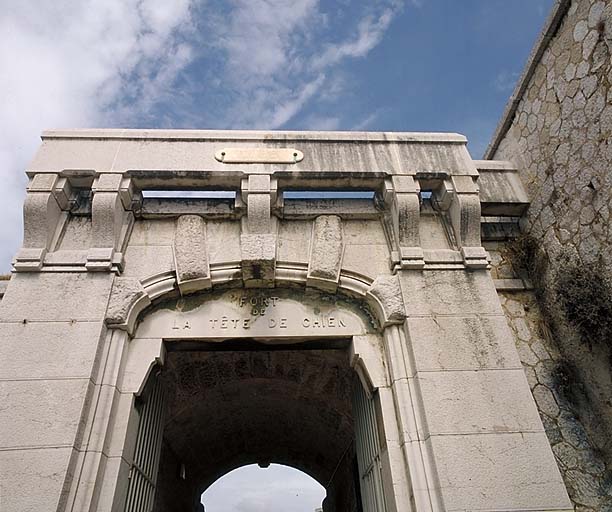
[{"x": 153, "y": 342}]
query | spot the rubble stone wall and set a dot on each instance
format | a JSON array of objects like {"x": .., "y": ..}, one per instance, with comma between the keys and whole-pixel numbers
[{"x": 558, "y": 132}]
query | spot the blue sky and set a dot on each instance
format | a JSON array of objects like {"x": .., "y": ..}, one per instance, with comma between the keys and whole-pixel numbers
[{"x": 382, "y": 65}]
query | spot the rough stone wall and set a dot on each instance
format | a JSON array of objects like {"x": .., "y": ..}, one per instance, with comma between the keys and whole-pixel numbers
[
  {"x": 560, "y": 137},
  {"x": 552, "y": 381}
]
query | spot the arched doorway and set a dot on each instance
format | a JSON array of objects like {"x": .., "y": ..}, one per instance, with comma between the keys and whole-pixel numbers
[{"x": 287, "y": 395}]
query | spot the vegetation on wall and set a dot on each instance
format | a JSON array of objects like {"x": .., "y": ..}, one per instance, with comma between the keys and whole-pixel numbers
[
  {"x": 585, "y": 295},
  {"x": 582, "y": 292}
]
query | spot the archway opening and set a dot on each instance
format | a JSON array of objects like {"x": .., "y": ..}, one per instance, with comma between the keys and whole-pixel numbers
[
  {"x": 266, "y": 405},
  {"x": 254, "y": 489}
]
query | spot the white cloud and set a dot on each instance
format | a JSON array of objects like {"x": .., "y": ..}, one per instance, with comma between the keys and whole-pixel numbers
[
  {"x": 85, "y": 63},
  {"x": 278, "y": 57},
  {"x": 370, "y": 31},
  {"x": 71, "y": 63}
]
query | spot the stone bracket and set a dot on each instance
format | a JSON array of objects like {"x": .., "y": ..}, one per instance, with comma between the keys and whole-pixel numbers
[
  {"x": 402, "y": 194},
  {"x": 464, "y": 211},
  {"x": 258, "y": 255},
  {"x": 326, "y": 252},
  {"x": 126, "y": 293},
  {"x": 114, "y": 197},
  {"x": 191, "y": 254},
  {"x": 386, "y": 294},
  {"x": 48, "y": 197}
]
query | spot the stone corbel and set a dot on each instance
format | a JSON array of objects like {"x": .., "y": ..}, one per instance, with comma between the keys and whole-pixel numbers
[
  {"x": 402, "y": 194},
  {"x": 464, "y": 211},
  {"x": 128, "y": 298},
  {"x": 191, "y": 254},
  {"x": 43, "y": 217},
  {"x": 326, "y": 252},
  {"x": 114, "y": 197},
  {"x": 258, "y": 242},
  {"x": 385, "y": 295}
]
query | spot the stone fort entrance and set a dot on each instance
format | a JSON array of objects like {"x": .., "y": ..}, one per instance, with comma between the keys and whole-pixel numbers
[
  {"x": 186, "y": 302},
  {"x": 258, "y": 376}
]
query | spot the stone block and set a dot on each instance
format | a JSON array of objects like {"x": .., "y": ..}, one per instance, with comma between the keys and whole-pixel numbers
[
  {"x": 38, "y": 413},
  {"x": 449, "y": 292},
  {"x": 35, "y": 480},
  {"x": 367, "y": 260},
  {"x": 293, "y": 250},
  {"x": 364, "y": 232},
  {"x": 153, "y": 232},
  {"x": 48, "y": 350},
  {"x": 191, "y": 254},
  {"x": 258, "y": 254},
  {"x": 56, "y": 296},
  {"x": 143, "y": 261},
  {"x": 462, "y": 343},
  {"x": 326, "y": 251},
  {"x": 498, "y": 472},
  {"x": 469, "y": 402},
  {"x": 223, "y": 241}
]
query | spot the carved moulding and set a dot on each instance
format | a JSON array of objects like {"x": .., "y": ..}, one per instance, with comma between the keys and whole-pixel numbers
[
  {"x": 129, "y": 296},
  {"x": 402, "y": 195},
  {"x": 459, "y": 196},
  {"x": 44, "y": 213},
  {"x": 114, "y": 197}
]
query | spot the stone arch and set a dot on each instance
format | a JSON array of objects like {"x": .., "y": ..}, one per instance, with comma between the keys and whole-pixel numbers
[{"x": 372, "y": 306}]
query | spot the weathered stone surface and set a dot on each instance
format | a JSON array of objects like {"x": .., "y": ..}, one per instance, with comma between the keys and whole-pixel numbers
[
  {"x": 223, "y": 241},
  {"x": 142, "y": 261},
  {"x": 35, "y": 480},
  {"x": 48, "y": 350},
  {"x": 461, "y": 343},
  {"x": 258, "y": 254},
  {"x": 126, "y": 292},
  {"x": 439, "y": 292},
  {"x": 499, "y": 472},
  {"x": 191, "y": 254},
  {"x": 34, "y": 297},
  {"x": 326, "y": 251},
  {"x": 387, "y": 292},
  {"x": 294, "y": 240},
  {"x": 499, "y": 401},
  {"x": 41, "y": 412}
]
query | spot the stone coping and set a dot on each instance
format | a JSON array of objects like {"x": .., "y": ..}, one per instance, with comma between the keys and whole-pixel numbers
[
  {"x": 256, "y": 135},
  {"x": 555, "y": 18}
]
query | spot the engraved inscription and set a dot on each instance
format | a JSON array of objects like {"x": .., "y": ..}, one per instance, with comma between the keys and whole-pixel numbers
[{"x": 255, "y": 313}]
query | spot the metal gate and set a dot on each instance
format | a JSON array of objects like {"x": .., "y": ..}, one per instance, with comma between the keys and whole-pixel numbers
[
  {"x": 368, "y": 448},
  {"x": 145, "y": 466}
]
